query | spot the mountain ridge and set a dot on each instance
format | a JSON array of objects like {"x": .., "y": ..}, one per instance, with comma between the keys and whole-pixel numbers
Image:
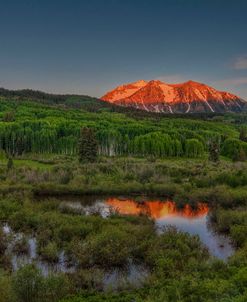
[{"x": 187, "y": 97}]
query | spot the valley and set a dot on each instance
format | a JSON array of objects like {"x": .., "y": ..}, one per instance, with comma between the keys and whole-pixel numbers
[
  {"x": 161, "y": 207},
  {"x": 123, "y": 151}
]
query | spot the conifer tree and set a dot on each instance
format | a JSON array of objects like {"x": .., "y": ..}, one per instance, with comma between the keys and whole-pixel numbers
[{"x": 88, "y": 145}]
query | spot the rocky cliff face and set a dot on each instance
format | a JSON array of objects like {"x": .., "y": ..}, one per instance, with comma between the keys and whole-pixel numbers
[{"x": 188, "y": 97}]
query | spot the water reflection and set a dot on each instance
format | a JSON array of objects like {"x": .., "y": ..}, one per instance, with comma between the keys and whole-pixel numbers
[
  {"x": 187, "y": 219},
  {"x": 195, "y": 221},
  {"x": 157, "y": 209}
]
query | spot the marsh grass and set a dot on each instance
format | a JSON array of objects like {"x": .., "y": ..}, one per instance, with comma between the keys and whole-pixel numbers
[{"x": 179, "y": 266}]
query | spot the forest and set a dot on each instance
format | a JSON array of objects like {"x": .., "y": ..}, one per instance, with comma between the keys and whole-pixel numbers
[{"x": 30, "y": 126}]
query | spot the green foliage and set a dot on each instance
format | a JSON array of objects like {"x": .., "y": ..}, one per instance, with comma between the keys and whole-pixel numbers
[
  {"x": 27, "y": 284},
  {"x": 193, "y": 148},
  {"x": 98, "y": 249},
  {"x": 49, "y": 252},
  {"x": 3, "y": 155},
  {"x": 87, "y": 146},
  {"x": 46, "y": 124},
  {"x": 233, "y": 222},
  {"x": 8, "y": 116},
  {"x": 214, "y": 150},
  {"x": 103, "y": 297},
  {"x": 10, "y": 164},
  {"x": 166, "y": 254},
  {"x": 243, "y": 134},
  {"x": 234, "y": 149},
  {"x": 55, "y": 287},
  {"x": 5, "y": 288}
]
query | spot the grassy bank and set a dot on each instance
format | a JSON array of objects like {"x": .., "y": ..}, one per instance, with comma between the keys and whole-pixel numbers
[{"x": 185, "y": 180}]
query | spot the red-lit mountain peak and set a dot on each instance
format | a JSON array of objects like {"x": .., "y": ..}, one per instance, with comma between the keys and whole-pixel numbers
[
  {"x": 123, "y": 91},
  {"x": 185, "y": 97}
]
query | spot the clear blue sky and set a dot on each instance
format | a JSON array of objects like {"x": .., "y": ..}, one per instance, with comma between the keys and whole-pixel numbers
[{"x": 90, "y": 46}]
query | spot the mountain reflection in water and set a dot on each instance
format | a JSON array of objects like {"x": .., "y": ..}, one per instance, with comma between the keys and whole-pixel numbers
[
  {"x": 193, "y": 220},
  {"x": 157, "y": 209},
  {"x": 187, "y": 219}
]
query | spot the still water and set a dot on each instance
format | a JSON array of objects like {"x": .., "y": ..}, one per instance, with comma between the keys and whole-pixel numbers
[
  {"x": 132, "y": 275},
  {"x": 20, "y": 259},
  {"x": 194, "y": 221}
]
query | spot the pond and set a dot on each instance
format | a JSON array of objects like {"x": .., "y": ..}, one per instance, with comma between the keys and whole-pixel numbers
[
  {"x": 195, "y": 221},
  {"x": 165, "y": 213}
]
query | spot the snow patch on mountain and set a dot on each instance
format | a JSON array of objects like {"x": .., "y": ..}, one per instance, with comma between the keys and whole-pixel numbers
[{"x": 185, "y": 97}]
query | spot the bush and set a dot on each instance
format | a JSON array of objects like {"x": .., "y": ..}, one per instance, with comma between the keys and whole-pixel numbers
[
  {"x": 111, "y": 247},
  {"x": 28, "y": 284},
  {"x": 49, "y": 252},
  {"x": 239, "y": 234},
  {"x": 56, "y": 287},
  {"x": 25, "y": 219},
  {"x": 167, "y": 252},
  {"x": 240, "y": 279}
]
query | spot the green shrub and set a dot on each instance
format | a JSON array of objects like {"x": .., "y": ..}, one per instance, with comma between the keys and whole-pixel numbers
[
  {"x": 27, "y": 284},
  {"x": 108, "y": 248},
  {"x": 55, "y": 287},
  {"x": 167, "y": 252},
  {"x": 49, "y": 252},
  {"x": 239, "y": 234}
]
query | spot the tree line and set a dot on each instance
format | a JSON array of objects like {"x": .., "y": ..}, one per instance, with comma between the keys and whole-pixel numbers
[
  {"x": 41, "y": 137},
  {"x": 31, "y": 127}
]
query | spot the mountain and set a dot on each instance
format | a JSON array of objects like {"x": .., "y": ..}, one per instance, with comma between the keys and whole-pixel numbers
[
  {"x": 188, "y": 97},
  {"x": 68, "y": 101}
]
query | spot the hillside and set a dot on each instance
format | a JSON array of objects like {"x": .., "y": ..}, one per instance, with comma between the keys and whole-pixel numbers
[{"x": 91, "y": 104}]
